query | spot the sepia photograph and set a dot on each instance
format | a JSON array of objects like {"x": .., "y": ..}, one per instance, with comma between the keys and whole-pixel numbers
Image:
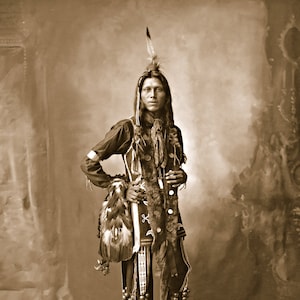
[{"x": 150, "y": 149}]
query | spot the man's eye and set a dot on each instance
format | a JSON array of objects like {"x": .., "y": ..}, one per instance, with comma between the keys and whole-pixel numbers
[
  {"x": 147, "y": 90},
  {"x": 159, "y": 89}
]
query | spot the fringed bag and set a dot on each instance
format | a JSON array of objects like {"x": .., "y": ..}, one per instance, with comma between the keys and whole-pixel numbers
[{"x": 115, "y": 225}]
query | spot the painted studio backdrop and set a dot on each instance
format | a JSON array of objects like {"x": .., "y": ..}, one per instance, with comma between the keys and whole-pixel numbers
[{"x": 68, "y": 72}]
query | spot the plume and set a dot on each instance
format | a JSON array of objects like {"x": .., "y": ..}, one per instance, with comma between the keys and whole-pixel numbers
[{"x": 151, "y": 51}]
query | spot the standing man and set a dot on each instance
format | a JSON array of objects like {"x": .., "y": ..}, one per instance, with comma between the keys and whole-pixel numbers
[{"x": 152, "y": 149}]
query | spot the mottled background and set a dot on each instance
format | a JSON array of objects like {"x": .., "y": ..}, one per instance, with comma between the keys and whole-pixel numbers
[{"x": 68, "y": 72}]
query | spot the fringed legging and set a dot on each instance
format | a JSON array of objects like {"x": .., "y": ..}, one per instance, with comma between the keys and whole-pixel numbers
[{"x": 137, "y": 275}]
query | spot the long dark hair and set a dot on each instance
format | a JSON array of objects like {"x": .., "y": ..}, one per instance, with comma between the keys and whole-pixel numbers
[
  {"x": 173, "y": 134},
  {"x": 167, "y": 111}
]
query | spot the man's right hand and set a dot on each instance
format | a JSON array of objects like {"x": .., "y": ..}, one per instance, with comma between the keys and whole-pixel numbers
[{"x": 134, "y": 193}]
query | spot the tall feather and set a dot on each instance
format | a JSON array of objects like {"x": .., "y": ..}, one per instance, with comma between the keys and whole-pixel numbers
[{"x": 151, "y": 51}]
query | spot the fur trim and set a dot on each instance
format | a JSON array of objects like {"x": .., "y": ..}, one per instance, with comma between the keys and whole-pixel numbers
[{"x": 115, "y": 224}]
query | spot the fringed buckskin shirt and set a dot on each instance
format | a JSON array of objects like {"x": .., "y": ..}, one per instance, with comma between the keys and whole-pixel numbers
[{"x": 116, "y": 141}]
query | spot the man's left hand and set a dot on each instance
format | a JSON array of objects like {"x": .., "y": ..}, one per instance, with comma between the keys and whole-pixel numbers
[{"x": 176, "y": 178}]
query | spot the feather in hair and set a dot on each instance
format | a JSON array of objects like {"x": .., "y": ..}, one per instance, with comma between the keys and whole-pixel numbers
[{"x": 151, "y": 51}]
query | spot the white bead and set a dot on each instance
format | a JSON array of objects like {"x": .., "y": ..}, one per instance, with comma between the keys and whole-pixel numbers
[
  {"x": 171, "y": 192},
  {"x": 170, "y": 211}
]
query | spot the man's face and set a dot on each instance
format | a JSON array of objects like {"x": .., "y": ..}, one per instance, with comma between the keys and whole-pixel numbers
[{"x": 153, "y": 94}]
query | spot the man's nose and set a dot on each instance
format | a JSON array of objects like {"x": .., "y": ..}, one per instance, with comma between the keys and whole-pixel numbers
[{"x": 152, "y": 93}]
